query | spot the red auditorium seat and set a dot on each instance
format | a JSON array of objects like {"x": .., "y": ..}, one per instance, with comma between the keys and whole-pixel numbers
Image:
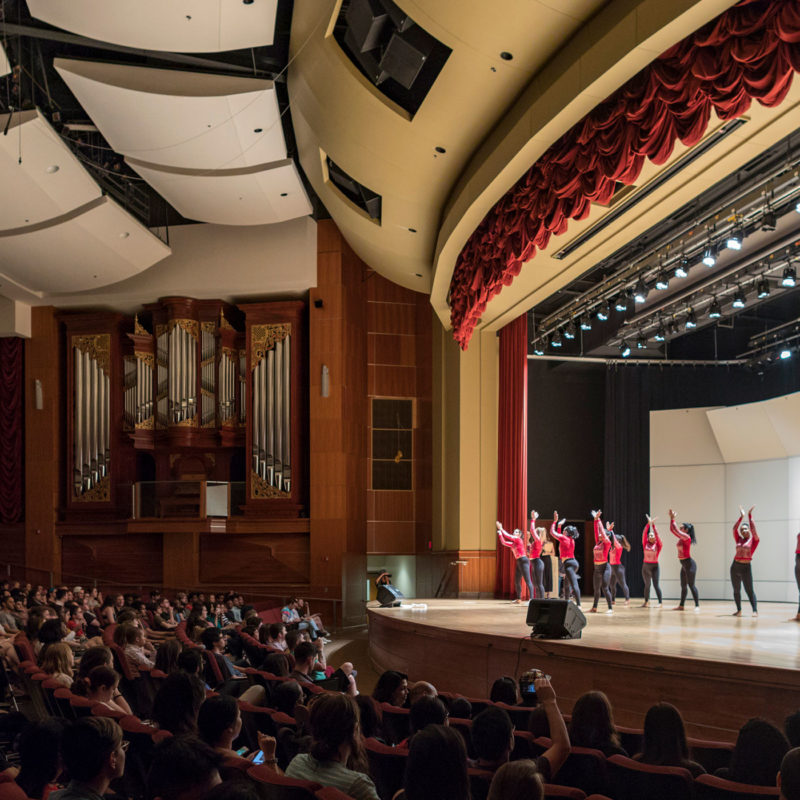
[
  {"x": 281, "y": 787},
  {"x": 81, "y": 707},
  {"x": 519, "y": 714},
  {"x": 387, "y": 766},
  {"x": 396, "y": 725},
  {"x": 709, "y": 787},
  {"x": 632, "y": 780},
  {"x": 711, "y": 755},
  {"x": 9, "y": 790},
  {"x": 631, "y": 739},
  {"x": 464, "y": 727},
  {"x": 24, "y": 648},
  {"x": 479, "y": 782},
  {"x": 584, "y": 769},
  {"x": 61, "y": 697},
  {"x": 99, "y": 710}
]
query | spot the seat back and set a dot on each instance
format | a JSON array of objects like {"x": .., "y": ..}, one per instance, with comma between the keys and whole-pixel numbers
[
  {"x": 711, "y": 755},
  {"x": 387, "y": 767},
  {"x": 553, "y": 792},
  {"x": 519, "y": 714},
  {"x": 81, "y": 707},
  {"x": 10, "y": 790},
  {"x": 213, "y": 671},
  {"x": 280, "y": 787},
  {"x": 632, "y": 780},
  {"x": 631, "y": 739},
  {"x": 479, "y": 782},
  {"x": 584, "y": 769},
  {"x": 61, "y": 698},
  {"x": 331, "y": 793},
  {"x": 396, "y": 724},
  {"x": 525, "y": 746},
  {"x": 464, "y": 727},
  {"x": 709, "y": 787},
  {"x": 24, "y": 648}
]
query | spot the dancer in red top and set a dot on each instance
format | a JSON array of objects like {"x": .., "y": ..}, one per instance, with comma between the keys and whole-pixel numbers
[
  {"x": 566, "y": 552},
  {"x": 537, "y": 565},
  {"x": 618, "y": 544},
  {"x": 523, "y": 572},
  {"x": 602, "y": 572},
  {"x": 797, "y": 572},
  {"x": 686, "y": 539},
  {"x": 746, "y": 538},
  {"x": 651, "y": 546}
]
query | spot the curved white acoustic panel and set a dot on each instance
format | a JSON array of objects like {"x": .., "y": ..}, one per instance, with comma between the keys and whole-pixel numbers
[
  {"x": 257, "y": 195},
  {"x": 39, "y": 175},
  {"x": 5, "y": 67},
  {"x": 184, "y": 26},
  {"x": 179, "y": 119},
  {"x": 92, "y": 246}
]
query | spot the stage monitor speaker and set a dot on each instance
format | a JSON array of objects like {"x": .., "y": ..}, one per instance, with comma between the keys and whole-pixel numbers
[
  {"x": 555, "y": 619},
  {"x": 389, "y": 596}
]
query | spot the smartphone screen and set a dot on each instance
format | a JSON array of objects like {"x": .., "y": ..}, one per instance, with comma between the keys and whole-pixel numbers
[
  {"x": 259, "y": 757},
  {"x": 241, "y": 751}
]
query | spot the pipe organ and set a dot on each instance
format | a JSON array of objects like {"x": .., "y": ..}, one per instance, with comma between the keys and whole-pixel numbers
[{"x": 188, "y": 379}]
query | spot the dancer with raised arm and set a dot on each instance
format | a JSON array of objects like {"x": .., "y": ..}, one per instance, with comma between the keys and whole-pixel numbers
[
  {"x": 602, "y": 572},
  {"x": 537, "y": 564},
  {"x": 566, "y": 551},
  {"x": 618, "y": 543},
  {"x": 516, "y": 542},
  {"x": 686, "y": 538},
  {"x": 746, "y": 538},
  {"x": 651, "y": 545}
]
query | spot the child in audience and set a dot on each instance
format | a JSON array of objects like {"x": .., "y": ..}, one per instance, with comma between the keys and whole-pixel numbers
[
  {"x": 102, "y": 689},
  {"x": 58, "y": 662}
]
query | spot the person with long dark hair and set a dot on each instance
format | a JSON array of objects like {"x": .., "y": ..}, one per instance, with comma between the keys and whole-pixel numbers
[
  {"x": 516, "y": 542},
  {"x": 686, "y": 538},
  {"x": 746, "y": 538},
  {"x": 602, "y": 572},
  {"x": 537, "y": 564},
  {"x": 617, "y": 579},
  {"x": 664, "y": 742},
  {"x": 651, "y": 547},
  {"x": 566, "y": 542}
]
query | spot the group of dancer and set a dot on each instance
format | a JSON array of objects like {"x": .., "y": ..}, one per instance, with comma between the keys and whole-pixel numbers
[{"x": 609, "y": 571}]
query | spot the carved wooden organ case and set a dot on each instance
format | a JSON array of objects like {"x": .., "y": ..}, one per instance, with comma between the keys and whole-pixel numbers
[{"x": 187, "y": 376}]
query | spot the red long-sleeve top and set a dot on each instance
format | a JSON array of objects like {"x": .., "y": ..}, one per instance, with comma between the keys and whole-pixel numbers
[
  {"x": 567, "y": 543},
  {"x": 684, "y": 541},
  {"x": 602, "y": 544},
  {"x": 615, "y": 554},
  {"x": 652, "y": 550},
  {"x": 745, "y": 546},
  {"x": 536, "y": 543},
  {"x": 516, "y": 543},
  {"x": 797, "y": 549}
]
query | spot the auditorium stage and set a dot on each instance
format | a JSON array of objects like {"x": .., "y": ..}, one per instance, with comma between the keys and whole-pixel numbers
[{"x": 718, "y": 669}]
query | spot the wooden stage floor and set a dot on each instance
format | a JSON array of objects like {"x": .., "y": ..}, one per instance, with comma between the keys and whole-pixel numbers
[{"x": 718, "y": 669}]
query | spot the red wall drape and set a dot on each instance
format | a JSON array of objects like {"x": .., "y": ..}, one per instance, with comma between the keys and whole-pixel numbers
[
  {"x": 11, "y": 430},
  {"x": 512, "y": 445},
  {"x": 750, "y": 52}
]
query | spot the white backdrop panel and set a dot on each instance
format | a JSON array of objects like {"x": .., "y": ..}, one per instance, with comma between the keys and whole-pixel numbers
[
  {"x": 49, "y": 182},
  {"x": 784, "y": 414},
  {"x": 255, "y": 196},
  {"x": 100, "y": 246},
  {"x": 683, "y": 436},
  {"x": 5, "y": 67},
  {"x": 179, "y": 119},
  {"x": 184, "y": 26},
  {"x": 745, "y": 433}
]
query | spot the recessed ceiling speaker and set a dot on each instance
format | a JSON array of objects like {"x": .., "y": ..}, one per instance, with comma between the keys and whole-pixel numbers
[{"x": 405, "y": 56}]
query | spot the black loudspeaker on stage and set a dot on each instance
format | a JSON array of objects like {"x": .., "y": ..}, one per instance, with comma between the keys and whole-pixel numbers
[
  {"x": 555, "y": 619},
  {"x": 389, "y": 596}
]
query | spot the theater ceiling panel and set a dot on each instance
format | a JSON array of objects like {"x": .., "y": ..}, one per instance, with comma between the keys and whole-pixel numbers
[
  {"x": 259, "y": 195},
  {"x": 5, "y": 67},
  {"x": 185, "y": 26},
  {"x": 39, "y": 175},
  {"x": 179, "y": 119},
  {"x": 100, "y": 245}
]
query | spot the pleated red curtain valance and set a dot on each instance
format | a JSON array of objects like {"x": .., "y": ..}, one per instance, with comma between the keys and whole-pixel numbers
[{"x": 748, "y": 53}]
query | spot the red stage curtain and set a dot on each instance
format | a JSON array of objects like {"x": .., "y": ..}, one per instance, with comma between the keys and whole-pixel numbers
[
  {"x": 11, "y": 430},
  {"x": 512, "y": 445},
  {"x": 748, "y": 53}
]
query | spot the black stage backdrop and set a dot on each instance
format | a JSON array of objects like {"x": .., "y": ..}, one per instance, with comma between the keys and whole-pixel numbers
[{"x": 589, "y": 432}]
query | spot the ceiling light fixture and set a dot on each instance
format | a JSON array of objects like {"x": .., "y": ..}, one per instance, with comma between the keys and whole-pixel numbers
[
  {"x": 735, "y": 239},
  {"x": 662, "y": 282},
  {"x": 556, "y": 340},
  {"x": 660, "y": 335},
  {"x": 763, "y": 288},
  {"x": 624, "y": 349},
  {"x": 603, "y": 311},
  {"x": 569, "y": 331},
  {"x": 641, "y": 342},
  {"x": 621, "y": 303},
  {"x": 691, "y": 320},
  {"x": 586, "y": 322},
  {"x": 714, "y": 310},
  {"x": 682, "y": 270},
  {"x": 785, "y": 353},
  {"x": 739, "y": 300},
  {"x": 640, "y": 292},
  {"x": 538, "y": 347},
  {"x": 789, "y": 279},
  {"x": 710, "y": 255}
]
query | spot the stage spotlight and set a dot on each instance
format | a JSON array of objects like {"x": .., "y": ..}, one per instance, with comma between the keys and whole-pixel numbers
[
  {"x": 714, "y": 310},
  {"x": 735, "y": 239},
  {"x": 763, "y": 288},
  {"x": 662, "y": 282},
  {"x": 586, "y": 322},
  {"x": 538, "y": 347},
  {"x": 789, "y": 279},
  {"x": 785, "y": 353},
  {"x": 641, "y": 342},
  {"x": 660, "y": 335},
  {"x": 672, "y": 329},
  {"x": 710, "y": 255},
  {"x": 691, "y": 320},
  {"x": 640, "y": 292},
  {"x": 556, "y": 340},
  {"x": 603, "y": 311},
  {"x": 769, "y": 221},
  {"x": 624, "y": 349},
  {"x": 797, "y": 208},
  {"x": 739, "y": 300},
  {"x": 621, "y": 303},
  {"x": 682, "y": 270},
  {"x": 570, "y": 331}
]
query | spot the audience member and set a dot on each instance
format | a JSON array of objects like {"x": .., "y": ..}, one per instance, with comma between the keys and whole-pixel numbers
[
  {"x": 461, "y": 708},
  {"x": 183, "y": 768},
  {"x": 517, "y": 780},
  {"x": 99, "y": 656},
  {"x": 57, "y": 662},
  {"x": 276, "y": 664},
  {"x": 756, "y": 757},
  {"x": 505, "y": 690},
  {"x": 103, "y": 683},
  {"x": 592, "y": 725},
  {"x": 136, "y": 647},
  {"x": 421, "y": 689},
  {"x": 436, "y": 768},
  {"x": 791, "y": 727},
  {"x": 789, "y": 776},
  {"x": 665, "y": 740},
  {"x": 234, "y": 682},
  {"x": 370, "y": 717},
  {"x": 391, "y": 688},
  {"x": 177, "y": 703},
  {"x": 167, "y": 656},
  {"x": 305, "y": 656},
  {"x": 39, "y": 757},
  {"x": 337, "y": 756},
  {"x": 286, "y": 695}
]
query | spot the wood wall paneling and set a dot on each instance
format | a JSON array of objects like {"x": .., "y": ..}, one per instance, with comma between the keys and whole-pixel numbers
[
  {"x": 118, "y": 560},
  {"x": 270, "y": 558}
]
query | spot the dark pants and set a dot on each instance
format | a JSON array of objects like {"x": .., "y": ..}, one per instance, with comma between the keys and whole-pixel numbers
[
  {"x": 537, "y": 573},
  {"x": 600, "y": 578},
  {"x": 742, "y": 573},
  {"x": 651, "y": 572},
  {"x": 688, "y": 575},
  {"x": 618, "y": 579},
  {"x": 548, "y": 573},
  {"x": 523, "y": 573},
  {"x": 571, "y": 580}
]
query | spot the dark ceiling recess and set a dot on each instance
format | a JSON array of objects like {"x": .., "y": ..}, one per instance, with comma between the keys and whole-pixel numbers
[
  {"x": 364, "y": 198},
  {"x": 389, "y": 49}
]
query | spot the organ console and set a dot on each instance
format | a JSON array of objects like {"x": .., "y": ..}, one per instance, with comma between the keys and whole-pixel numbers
[{"x": 187, "y": 381}]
